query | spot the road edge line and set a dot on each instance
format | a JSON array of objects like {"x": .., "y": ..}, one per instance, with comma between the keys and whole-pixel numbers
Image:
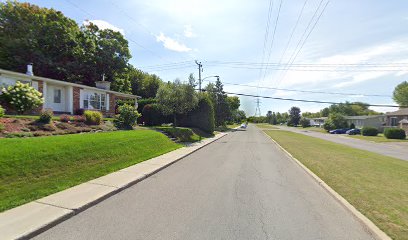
[{"x": 368, "y": 225}]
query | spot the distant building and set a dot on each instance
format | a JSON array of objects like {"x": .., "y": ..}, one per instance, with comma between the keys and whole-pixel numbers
[
  {"x": 394, "y": 118},
  {"x": 377, "y": 121},
  {"x": 317, "y": 122}
]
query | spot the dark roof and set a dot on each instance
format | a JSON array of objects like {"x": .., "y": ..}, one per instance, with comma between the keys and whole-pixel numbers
[{"x": 400, "y": 112}]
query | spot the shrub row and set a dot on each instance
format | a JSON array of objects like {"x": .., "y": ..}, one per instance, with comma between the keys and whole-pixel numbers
[
  {"x": 394, "y": 133},
  {"x": 369, "y": 131},
  {"x": 93, "y": 117}
]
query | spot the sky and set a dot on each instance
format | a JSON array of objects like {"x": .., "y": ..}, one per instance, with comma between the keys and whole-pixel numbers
[{"x": 345, "y": 46}]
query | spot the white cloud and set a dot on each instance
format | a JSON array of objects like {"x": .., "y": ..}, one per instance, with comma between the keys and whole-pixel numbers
[
  {"x": 105, "y": 25},
  {"x": 172, "y": 44},
  {"x": 188, "y": 31}
]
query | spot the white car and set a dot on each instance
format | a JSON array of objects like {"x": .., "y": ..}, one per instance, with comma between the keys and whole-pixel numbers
[{"x": 243, "y": 126}]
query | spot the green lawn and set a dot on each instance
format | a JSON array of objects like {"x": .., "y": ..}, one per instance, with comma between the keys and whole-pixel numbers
[
  {"x": 315, "y": 129},
  {"x": 380, "y": 138},
  {"x": 36, "y": 167},
  {"x": 376, "y": 185},
  {"x": 266, "y": 125}
]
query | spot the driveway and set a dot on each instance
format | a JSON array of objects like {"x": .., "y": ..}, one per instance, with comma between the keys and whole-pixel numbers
[
  {"x": 392, "y": 149},
  {"x": 239, "y": 187}
]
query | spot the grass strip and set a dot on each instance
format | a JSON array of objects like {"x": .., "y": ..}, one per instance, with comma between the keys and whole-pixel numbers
[
  {"x": 376, "y": 185},
  {"x": 32, "y": 168}
]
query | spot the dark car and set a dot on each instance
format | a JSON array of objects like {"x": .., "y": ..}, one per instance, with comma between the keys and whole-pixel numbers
[
  {"x": 339, "y": 131},
  {"x": 354, "y": 131}
]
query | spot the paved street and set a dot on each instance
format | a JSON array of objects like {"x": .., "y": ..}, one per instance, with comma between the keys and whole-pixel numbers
[
  {"x": 391, "y": 149},
  {"x": 240, "y": 187}
]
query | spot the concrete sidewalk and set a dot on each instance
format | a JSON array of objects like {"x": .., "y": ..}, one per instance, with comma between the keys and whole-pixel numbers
[{"x": 35, "y": 217}]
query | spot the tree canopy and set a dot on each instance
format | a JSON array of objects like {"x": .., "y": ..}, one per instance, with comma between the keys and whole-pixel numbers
[{"x": 400, "y": 94}]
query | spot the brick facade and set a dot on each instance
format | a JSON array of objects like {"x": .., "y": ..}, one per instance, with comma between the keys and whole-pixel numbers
[{"x": 76, "y": 99}]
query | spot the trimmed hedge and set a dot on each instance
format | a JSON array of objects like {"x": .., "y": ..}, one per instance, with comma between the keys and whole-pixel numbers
[
  {"x": 369, "y": 131},
  {"x": 46, "y": 116},
  {"x": 152, "y": 116},
  {"x": 394, "y": 133},
  {"x": 1, "y": 111},
  {"x": 201, "y": 117}
]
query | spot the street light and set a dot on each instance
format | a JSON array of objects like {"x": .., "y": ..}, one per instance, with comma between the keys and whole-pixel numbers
[{"x": 216, "y": 76}]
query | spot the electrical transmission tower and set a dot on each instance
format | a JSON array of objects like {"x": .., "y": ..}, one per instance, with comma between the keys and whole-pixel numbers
[{"x": 258, "y": 108}]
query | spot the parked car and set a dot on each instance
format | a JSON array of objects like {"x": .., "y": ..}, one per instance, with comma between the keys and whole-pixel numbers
[
  {"x": 243, "y": 126},
  {"x": 339, "y": 131},
  {"x": 354, "y": 131}
]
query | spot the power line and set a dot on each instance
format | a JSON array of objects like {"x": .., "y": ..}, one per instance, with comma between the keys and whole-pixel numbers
[
  {"x": 271, "y": 3},
  {"x": 307, "y": 91},
  {"x": 310, "y": 101},
  {"x": 304, "y": 41}
]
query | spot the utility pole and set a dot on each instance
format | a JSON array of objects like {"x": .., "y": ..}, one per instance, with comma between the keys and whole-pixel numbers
[
  {"x": 200, "y": 69},
  {"x": 258, "y": 108}
]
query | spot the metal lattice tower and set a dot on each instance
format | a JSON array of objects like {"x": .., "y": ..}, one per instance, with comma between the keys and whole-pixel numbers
[{"x": 258, "y": 108}]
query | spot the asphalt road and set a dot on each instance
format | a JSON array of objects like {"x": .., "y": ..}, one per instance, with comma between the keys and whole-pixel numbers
[
  {"x": 391, "y": 149},
  {"x": 239, "y": 187}
]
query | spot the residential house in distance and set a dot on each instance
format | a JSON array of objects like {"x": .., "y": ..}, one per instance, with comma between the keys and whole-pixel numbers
[
  {"x": 398, "y": 118},
  {"x": 317, "y": 122},
  {"x": 377, "y": 121},
  {"x": 66, "y": 97}
]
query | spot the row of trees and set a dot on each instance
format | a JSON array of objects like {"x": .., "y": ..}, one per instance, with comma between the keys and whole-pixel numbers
[
  {"x": 186, "y": 107},
  {"x": 63, "y": 50}
]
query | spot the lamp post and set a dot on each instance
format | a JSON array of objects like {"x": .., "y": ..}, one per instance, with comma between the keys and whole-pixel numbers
[{"x": 215, "y": 76}]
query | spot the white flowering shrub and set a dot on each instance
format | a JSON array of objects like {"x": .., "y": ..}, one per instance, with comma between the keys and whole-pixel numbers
[{"x": 21, "y": 97}]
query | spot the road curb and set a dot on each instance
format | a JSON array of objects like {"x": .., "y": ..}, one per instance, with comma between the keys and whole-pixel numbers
[
  {"x": 33, "y": 230},
  {"x": 368, "y": 225}
]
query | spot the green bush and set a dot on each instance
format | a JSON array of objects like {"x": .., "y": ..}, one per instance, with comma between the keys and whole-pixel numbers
[
  {"x": 143, "y": 102},
  {"x": 369, "y": 131},
  {"x": 22, "y": 97},
  {"x": 305, "y": 122},
  {"x": 93, "y": 117},
  {"x": 182, "y": 134},
  {"x": 152, "y": 116},
  {"x": 1, "y": 111},
  {"x": 201, "y": 117},
  {"x": 127, "y": 117},
  {"x": 1, "y": 127},
  {"x": 46, "y": 116},
  {"x": 335, "y": 121},
  {"x": 394, "y": 133}
]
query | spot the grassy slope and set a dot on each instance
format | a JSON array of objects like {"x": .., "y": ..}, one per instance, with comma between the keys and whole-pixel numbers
[
  {"x": 376, "y": 185},
  {"x": 184, "y": 134},
  {"x": 36, "y": 167}
]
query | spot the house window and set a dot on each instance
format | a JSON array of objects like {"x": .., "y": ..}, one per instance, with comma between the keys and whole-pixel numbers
[
  {"x": 394, "y": 121},
  {"x": 95, "y": 101},
  {"x": 57, "y": 95}
]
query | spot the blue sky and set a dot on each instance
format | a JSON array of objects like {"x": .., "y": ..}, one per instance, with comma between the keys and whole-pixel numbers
[{"x": 215, "y": 32}]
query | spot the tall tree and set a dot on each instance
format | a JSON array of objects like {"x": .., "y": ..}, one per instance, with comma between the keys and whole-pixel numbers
[
  {"x": 400, "y": 94},
  {"x": 45, "y": 37},
  {"x": 220, "y": 102},
  {"x": 176, "y": 98},
  {"x": 294, "y": 116}
]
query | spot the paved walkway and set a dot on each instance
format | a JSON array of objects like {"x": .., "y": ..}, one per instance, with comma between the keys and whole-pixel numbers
[
  {"x": 392, "y": 149},
  {"x": 239, "y": 187}
]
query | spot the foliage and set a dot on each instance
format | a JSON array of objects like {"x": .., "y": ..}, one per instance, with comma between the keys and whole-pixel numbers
[
  {"x": 369, "y": 131},
  {"x": 394, "y": 133},
  {"x": 254, "y": 119},
  {"x": 79, "y": 118},
  {"x": 352, "y": 126},
  {"x": 152, "y": 115},
  {"x": 65, "y": 118},
  {"x": 1, "y": 111},
  {"x": 400, "y": 94},
  {"x": 294, "y": 116},
  {"x": 46, "y": 116},
  {"x": 127, "y": 117},
  {"x": 335, "y": 121},
  {"x": 176, "y": 98},
  {"x": 202, "y": 116},
  {"x": 304, "y": 122},
  {"x": 93, "y": 117},
  {"x": 271, "y": 118},
  {"x": 143, "y": 102},
  {"x": 238, "y": 116},
  {"x": 220, "y": 102},
  {"x": 21, "y": 97}
]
